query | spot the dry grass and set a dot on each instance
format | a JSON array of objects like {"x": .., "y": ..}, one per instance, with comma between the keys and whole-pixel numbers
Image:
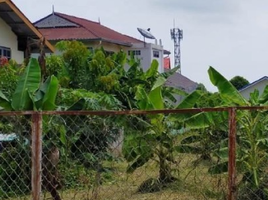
[{"x": 194, "y": 183}]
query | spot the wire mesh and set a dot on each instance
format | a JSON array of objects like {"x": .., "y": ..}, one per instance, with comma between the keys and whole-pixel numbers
[
  {"x": 138, "y": 156},
  {"x": 15, "y": 156}
]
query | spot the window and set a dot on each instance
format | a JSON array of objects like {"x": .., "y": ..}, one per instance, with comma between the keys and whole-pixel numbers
[
  {"x": 5, "y": 52},
  {"x": 109, "y": 53},
  {"x": 90, "y": 49},
  {"x": 134, "y": 52},
  {"x": 156, "y": 54}
]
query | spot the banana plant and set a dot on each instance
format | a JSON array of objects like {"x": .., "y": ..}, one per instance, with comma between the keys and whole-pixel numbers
[
  {"x": 155, "y": 140},
  {"x": 31, "y": 93},
  {"x": 252, "y": 140},
  {"x": 252, "y": 143}
]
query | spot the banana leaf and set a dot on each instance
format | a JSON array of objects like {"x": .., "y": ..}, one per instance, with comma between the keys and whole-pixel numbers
[
  {"x": 50, "y": 89},
  {"x": 45, "y": 97},
  {"x": 228, "y": 92},
  {"x": 158, "y": 83},
  {"x": 4, "y": 102},
  {"x": 170, "y": 72},
  {"x": 153, "y": 70},
  {"x": 28, "y": 82},
  {"x": 264, "y": 96},
  {"x": 188, "y": 102},
  {"x": 153, "y": 100},
  {"x": 199, "y": 120},
  {"x": 156, "y": 99},
  {"x": 143, "y": 99}
]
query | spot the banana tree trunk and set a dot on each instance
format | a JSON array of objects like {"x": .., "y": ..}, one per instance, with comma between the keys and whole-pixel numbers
[{"x": 164, "y": 171}]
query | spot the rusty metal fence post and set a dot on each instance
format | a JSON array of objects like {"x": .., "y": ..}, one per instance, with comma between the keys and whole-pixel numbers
[
  {"x": 36, "y": 139},
  {"x": 232, "y": 154}
]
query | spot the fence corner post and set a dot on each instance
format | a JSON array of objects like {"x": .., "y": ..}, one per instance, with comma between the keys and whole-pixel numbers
[
  {"x": 232, "y": 154},
  {"x": 36, "y": 154}
]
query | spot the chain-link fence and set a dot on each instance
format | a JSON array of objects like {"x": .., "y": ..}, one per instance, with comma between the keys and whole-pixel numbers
[{"x": 217, "y": 153}]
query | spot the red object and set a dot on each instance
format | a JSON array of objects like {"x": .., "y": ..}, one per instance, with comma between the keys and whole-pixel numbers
[
  {"x": 3, "y": 61},
  {"x": 85, "y": 30},
  {"x": 167, "y": 62}
]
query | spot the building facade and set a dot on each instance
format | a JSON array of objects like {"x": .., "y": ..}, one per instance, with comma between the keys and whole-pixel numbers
[
  {"x": 9, "y": 43},
  {"x": 15, "y": 30},
  {"x": 259, "y": 85}
]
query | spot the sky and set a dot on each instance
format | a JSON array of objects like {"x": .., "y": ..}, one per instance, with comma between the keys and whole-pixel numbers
[{"x": 229, "y": 35}]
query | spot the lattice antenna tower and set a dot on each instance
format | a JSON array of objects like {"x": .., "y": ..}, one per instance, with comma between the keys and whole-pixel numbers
[{"x": 177, "y": 36}]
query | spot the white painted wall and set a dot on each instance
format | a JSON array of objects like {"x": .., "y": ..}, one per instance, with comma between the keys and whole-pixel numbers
[
  {"x": 147, "y": 57},
  {"x": 259, "y": 86},
  {"x": 9, "y": 39}
]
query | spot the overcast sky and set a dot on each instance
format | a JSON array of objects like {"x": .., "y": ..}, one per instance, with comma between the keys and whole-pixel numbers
[{"x": 230, "y": 35}]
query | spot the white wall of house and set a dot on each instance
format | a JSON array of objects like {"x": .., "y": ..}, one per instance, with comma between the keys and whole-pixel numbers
[
  {"x": 9, "y": 39},
  {"x": 149, "y": 52},
  {"x": 259, "y": 86}
]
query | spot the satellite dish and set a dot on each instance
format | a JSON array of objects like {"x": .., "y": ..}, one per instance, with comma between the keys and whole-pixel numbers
[{"x": 146, "y": 33}]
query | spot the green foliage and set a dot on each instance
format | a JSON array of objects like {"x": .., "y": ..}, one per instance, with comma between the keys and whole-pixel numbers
[
  {"x": 210, "y": 100},
  {"x": 75, "y": 56},
  {"x": 30, "y": 93},
  {"x": 99, "y": 72},
  {"x": 82, "y": 99},
  {"x": 155, "y": 140},
  {"x": 55, "y": 65},
  {"x": 212, "y": 135},
  {"x": 239, "y": 82},
  {"x": 8, "y": 79},
  {"x": 201, "y": 87},
  {"x": 15, "y": 169},
  {"x": 228, "y": 92},
  {"x": 106, "y": 71},
  {"x": 251, "y": 136},
  {"x": 95, "y": 81}
]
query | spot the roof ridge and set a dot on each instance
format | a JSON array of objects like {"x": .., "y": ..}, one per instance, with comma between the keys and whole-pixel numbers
[
  {"x": 253, "y": 83},
  {"x": 39, "y": 20},
  {"x": 64, "y": 16}
]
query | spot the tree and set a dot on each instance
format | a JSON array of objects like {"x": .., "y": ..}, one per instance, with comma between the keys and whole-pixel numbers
[
  {"x": 239, "y": 82},
  {"x": 201, "y": 87}
]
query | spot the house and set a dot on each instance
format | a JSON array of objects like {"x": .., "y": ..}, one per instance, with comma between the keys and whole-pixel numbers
[
  {"x": 58, "y": 26},
  {"x": 15, "y": 30},
  {"x": 259, "y": 84}
]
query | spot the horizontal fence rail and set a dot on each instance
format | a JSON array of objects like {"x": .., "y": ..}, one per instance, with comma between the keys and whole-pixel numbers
[{"x": 135, "y": 154}]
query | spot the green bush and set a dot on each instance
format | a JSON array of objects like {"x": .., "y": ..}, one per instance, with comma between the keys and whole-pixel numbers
[{"x": 15, "y": 171}]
